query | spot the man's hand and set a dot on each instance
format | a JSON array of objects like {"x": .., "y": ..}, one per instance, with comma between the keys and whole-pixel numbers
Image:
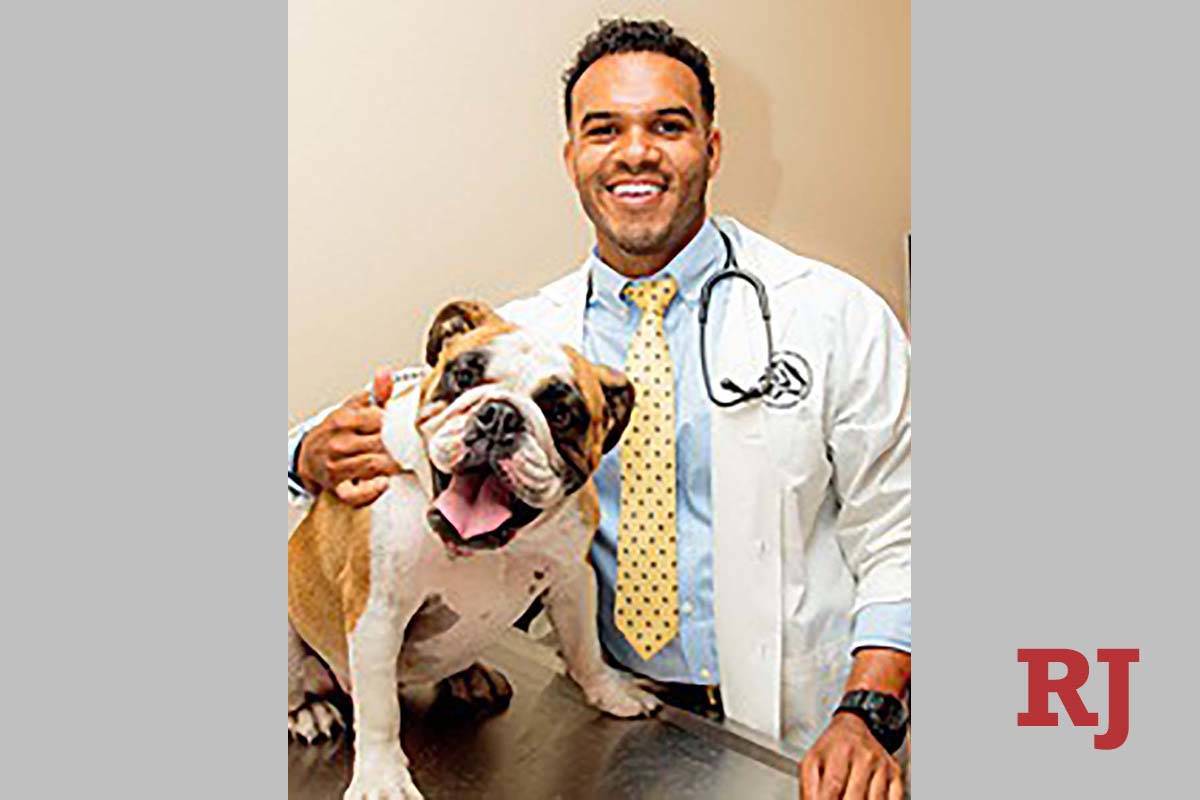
[
  {"x": 345, "y": 452},
  {"x": 847, "y": 762}
]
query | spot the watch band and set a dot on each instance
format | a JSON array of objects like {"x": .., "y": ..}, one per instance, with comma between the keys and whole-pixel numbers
[{"x": 885, "y": 716}]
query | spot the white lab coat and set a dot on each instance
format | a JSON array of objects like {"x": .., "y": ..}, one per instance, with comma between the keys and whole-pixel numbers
[{"x": 811, "y": 504}]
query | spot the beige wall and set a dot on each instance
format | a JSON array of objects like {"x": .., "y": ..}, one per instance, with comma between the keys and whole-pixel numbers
[{"x": 424, "y": 150}]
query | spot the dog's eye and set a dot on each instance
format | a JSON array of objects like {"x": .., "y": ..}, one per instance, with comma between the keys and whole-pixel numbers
[
  {"x": 560, "y": 416},
  {"x": 464, "y": 377}
]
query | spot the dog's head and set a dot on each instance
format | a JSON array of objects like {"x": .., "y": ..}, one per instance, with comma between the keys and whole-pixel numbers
[{"x": 513, "y": 424}]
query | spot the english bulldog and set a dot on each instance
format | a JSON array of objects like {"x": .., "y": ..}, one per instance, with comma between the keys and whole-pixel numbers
[{"x": 496, "y": 508}]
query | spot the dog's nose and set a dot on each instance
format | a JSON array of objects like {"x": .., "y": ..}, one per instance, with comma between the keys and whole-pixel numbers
[{"x": 499, "y": 422}]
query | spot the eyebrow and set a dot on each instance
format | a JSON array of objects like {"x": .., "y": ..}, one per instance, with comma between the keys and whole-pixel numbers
[
  {"x": 682, "y": 111},
  {"x": 594, "y": 116}
]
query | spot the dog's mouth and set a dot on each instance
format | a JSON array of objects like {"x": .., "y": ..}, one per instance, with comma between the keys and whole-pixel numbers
[{"x": 474, "y": 509}]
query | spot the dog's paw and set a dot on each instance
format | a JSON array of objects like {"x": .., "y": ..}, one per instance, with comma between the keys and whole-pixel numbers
[
  {"x": 479, "y": 690},
  {"x": 382, "y": 779},
  {"x": 314, "y": 720},
  {"x": 615, "y": 694}
]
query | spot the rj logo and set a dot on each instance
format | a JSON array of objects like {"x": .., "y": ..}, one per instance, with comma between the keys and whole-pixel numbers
[{"x": 1067, "y": 689}]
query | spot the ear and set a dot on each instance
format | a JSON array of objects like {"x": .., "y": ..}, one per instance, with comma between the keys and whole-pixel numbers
[
  {"x": 714, "y": 152},
  {"x": 455, "y": 319},
  {"x": 618, "y": 395},
  {"x": 569, "y": 158}
]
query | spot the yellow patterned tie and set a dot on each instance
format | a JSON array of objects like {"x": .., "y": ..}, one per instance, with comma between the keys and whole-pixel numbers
[{"x": 647, "y": 604}]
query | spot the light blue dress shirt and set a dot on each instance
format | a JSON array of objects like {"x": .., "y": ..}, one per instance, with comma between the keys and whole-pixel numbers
[{"x": 609, "y": 324}]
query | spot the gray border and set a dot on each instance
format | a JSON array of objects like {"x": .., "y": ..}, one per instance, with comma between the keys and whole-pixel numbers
[
  {"x": 1054, "y": 176},
  {"x": 144, "y": 245}
]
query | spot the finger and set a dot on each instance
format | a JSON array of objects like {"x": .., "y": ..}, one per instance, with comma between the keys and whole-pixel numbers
[
  {"x": 381, "y": 387},
  {"x": 879, "y": 785},
  {"x": 810, "y": 778},
  {"x": 349, "y": 444},
  {"x": 367, "y": 420},
  {"x": 362, "y": 468},
  {"x": 362, "y": 493},
  {"x": 364, "y": 419},
  {"x": 859, "y": 780},
  {"x": 358, "y": 400},
  {"x": 896, "y": 788},
  {"x": 834, "y": 774}
]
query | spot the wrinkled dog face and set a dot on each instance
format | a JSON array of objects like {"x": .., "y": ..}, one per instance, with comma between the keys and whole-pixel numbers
[{"x": 513, "y": 424}]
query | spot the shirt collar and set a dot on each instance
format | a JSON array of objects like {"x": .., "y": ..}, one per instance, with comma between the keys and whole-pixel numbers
[{"x": 690, "y": 268}]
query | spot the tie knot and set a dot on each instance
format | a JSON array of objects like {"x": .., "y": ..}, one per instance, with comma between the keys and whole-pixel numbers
[{"x": 652, "y": 296}]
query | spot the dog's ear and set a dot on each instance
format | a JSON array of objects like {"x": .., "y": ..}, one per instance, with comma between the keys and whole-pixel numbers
[
  {"x": 618, "y": 396},
  {"x": 456, "y": 318}
]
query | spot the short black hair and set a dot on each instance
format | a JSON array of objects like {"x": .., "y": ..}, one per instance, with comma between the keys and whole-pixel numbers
[{"x": 640, "y": 36}]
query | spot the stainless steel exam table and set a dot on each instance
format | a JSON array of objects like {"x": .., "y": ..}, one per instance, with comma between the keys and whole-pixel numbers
[{"x": 550, "y": 745}]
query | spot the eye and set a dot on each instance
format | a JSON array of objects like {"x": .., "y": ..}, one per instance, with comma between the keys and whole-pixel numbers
[
  {"x": 601, "y": 131},
  {"x": 464, "y": 376},
  {"x": 669, "y": 127},
  {"x": 560, "y": 415}
]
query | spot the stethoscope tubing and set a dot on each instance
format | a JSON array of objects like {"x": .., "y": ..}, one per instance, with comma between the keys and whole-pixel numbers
[{"x": 731, "y": 271}]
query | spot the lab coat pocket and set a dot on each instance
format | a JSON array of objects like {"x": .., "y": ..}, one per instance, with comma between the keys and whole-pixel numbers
[{"x": 795, "y": 440}]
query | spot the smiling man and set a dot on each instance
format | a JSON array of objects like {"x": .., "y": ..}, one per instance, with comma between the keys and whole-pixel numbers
[{"x": 753, "y": 560}]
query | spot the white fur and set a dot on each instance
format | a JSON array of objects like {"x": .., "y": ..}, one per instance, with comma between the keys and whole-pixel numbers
[
  {"x": 519, "y": 363},
  {"x": 486, "y": 590},
  {"x": 524, "y": 361}
]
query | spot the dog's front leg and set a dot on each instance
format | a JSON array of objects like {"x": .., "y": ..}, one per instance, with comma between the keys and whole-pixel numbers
[
  {"x": 380, "y": 766},
  {"x": 571, "y": 601}
]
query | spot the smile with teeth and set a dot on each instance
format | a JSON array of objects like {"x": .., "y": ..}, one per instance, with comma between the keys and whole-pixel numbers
[{"x": 642, "y": 190}]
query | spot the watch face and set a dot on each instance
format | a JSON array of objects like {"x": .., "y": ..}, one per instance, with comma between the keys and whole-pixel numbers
[
  {"x": 891, "y": 713},
  {"x": 884, "y": 710}
]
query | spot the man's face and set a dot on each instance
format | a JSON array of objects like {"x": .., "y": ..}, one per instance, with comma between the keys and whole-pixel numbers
[{"x": 641, "y": 152}]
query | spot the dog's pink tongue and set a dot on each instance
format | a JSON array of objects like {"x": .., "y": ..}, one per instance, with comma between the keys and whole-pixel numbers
[{"x": 474, "y": 503}]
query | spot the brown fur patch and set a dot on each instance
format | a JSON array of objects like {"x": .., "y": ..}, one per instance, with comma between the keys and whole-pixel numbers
[
  {"x": 588, "y": 381},
  {"x": 455, "y": 319},
  {"x": 593, "y": 380},
  {"x": 459, "y": 345},
  {"x": 589, "y": 506},
  {"x": 329, "y": 574}
]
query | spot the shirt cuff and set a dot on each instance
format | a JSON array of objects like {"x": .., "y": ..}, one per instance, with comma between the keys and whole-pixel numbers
[
  {"x": 884, "y": 625},
  {"x": 295, "y": 485},
  {"x": 296, "y": 488}
]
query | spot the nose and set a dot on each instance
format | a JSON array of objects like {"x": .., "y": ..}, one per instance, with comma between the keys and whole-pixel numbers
[
  {"x": 500, "y": 423},
  {"x": 638, "y": 150}
]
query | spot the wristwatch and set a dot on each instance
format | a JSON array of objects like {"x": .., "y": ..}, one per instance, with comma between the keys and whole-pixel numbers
[{"x": 885, "y": 715}]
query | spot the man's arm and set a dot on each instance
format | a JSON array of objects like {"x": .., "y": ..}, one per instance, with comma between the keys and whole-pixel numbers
[
  {"x": 847, "y": 761},
  {"x": 870, "y": 446}
]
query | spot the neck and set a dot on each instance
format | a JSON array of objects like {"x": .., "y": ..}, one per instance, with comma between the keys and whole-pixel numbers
[{"x": 640, "y": 265}]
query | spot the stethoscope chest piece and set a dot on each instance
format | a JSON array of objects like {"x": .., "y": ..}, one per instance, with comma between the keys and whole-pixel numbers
[
  {"x": 791, "y": 380},
  {"x": 766, "y": 387}
]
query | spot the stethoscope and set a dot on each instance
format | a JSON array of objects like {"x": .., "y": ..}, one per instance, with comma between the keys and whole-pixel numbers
[
  {"x": 767, "y": 381},
  {"x": 787, "y": 378}
]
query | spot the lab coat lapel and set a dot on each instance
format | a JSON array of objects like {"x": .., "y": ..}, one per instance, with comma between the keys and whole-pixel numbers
[
  {"x": 565, "y": 310},
  {"x": 747, "y": 554}
]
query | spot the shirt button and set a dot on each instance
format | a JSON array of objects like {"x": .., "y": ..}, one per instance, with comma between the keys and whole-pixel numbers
[
  {"x": 688, "y": 608},
  {"x": 762, "y": 548},
  {"x": 705, "y": 674}
]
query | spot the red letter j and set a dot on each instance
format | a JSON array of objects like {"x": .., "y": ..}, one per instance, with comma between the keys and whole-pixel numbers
[{"x": 1118, "y": 696}]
